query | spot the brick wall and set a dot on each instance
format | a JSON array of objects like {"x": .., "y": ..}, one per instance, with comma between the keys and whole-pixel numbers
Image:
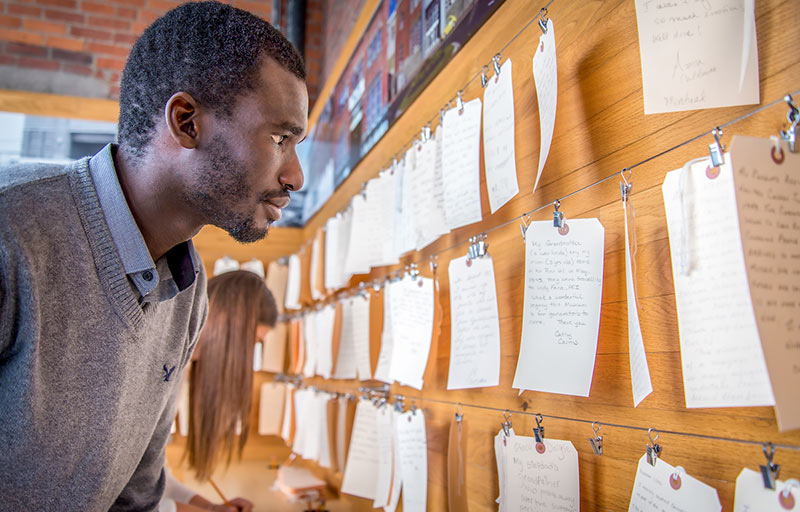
[{"x": 77, "y": 47}]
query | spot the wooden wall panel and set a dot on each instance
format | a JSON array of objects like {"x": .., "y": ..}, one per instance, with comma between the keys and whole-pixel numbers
[{"x": 600, "y": 129}]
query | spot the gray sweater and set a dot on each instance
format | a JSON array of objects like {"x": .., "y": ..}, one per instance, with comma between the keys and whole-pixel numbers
[{"x": 86, "y": 396}]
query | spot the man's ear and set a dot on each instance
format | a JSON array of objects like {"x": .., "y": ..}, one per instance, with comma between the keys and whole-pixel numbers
[{"x": 181, "y": 116}]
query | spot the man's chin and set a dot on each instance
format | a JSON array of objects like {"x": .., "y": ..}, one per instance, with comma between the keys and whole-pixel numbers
[{"x": 247, "y": 233}]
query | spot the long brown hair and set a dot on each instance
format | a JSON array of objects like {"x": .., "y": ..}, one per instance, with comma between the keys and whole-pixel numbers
[{"x": 221, "y": 382}]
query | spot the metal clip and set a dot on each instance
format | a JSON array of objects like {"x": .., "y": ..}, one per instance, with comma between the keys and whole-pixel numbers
[
  {"x": 506, "y": 424},
  {"x": 524, "y": 224},
  {"x": 625, "y": 186},
  {"x": 770, "y": 471},
  {"x": 484, "y": 76},
  {"x": 434, "y": 262},
  {"x": 412, "y": 271},
  {"x": 496, "y": 66},
  {"x": 716, "y": 149},
  {"x": 426, "y": 133},
  {"x": 538, "y": 434},
  {"x": 597, "y": 440},
  {"x": 653, "y": 448},
  {"x": 558, "y": 219},
  {"x": 477, "y": 247},
  {"x": 399, "y": 403},
  {"x": 543, "y": 20},
  {"x": 790, "y": 135},
  {"x": 441, "y": 115},
  {"x": 460, "y": 102},
  {"x": 364, "y": 190}
]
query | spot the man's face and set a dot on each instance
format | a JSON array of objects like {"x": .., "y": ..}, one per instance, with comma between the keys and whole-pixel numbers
[{"x": 247, "y": 163}]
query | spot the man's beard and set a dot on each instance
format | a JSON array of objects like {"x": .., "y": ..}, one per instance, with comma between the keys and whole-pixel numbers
[{"x": 221, "y": 184}]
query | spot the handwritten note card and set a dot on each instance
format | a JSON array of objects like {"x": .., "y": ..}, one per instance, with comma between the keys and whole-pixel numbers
[
  {"x": 270, "y": 408},
  {"x": 288, "y": 415},
  {"x": 665, "y": 488},
  {"x": 561, "y": 315},
  {"x": 354, "y": 359},
  {"x": 723, "y": 364},
  {"x": 412, "y": 449},
  {"x": 545, "y": 75},
  {"x": 411, "y": 303},
  {"x": 475, "y": 327},
  {"x": 752, "y": 496},
  {"x": 405, "y": 223},
  {"x": 427, "y": 193},
  {"x": 541, "y": 481},
  {"x": 498, "y": 139},
  {"x": 385, "y": 456},
  {"x": 387, "y": 346},
  {"x": 768, "y": 201},
  {"x": 697, "y": 54},
  {"x": 360, "y": 474},
  {"x": 397, "y": 470},
  {"x": 461, "y": 164},
  {"x": 640, "y": 373},
  {"x": 500, "y": 455}
]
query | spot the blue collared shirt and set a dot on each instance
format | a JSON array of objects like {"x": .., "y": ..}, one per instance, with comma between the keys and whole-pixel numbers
[{"x": 159, "y": 281}]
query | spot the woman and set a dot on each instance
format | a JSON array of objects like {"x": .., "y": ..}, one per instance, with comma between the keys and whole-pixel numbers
[{"x": 241, "y": 310}]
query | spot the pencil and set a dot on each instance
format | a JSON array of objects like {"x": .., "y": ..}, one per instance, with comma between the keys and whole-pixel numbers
[{"x": 227, "y": 503}]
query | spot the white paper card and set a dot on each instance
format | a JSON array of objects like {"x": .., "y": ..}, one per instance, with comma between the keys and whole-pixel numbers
[
  {"x": 354, "y": 359},
  {"x": 661, "y": 487},
  {"x": 397, "y": 471},
  {"x": 498, "y": 139},
  {"x": 385, "y": 456},
  {"x": 752, "y": 496},
  {"x": 411, "y": 303},
  {"x": 387, "y": 346},
  {"x": 270, "y": 410},
  {"x": 461, "y": 165},
  {"x": 640, "y": 373},
  {"x": 561, "y": 314},
  {"x": 405, "y": 231},
  {"x": 697, "y": 54},
  {"x": 293, "y": 283},
  {"x": 474, "y": 326},
  {"x": 288, "y": 414},
  {"x": 500, "y": 455},
  {"x": 723, "y": 364},
  {"x": 412, "y": 449},
  {"x": 541, "y": 481},
  {"x": 428, "y": 190},
  {"x": 545, "y": 75},
  {"x": 361, "y": 471}
]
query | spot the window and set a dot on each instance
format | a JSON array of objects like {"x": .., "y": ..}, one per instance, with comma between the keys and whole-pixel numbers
[
  {"x": 374, "y": 48},
  {"x": 374, "y": 103}
]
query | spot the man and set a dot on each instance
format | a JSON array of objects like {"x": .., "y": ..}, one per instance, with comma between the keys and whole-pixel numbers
[{"x": 102, "y": 294}]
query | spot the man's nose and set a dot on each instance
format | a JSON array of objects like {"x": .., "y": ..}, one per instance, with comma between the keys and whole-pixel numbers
[{"x": 291, "y": 176}]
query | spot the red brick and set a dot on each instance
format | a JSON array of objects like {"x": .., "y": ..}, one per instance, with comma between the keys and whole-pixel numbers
[
  {"x": 110, "y": 64},
  {"x": 97, "y": 8},
  {"x": 72, "y": 57},
  {"x": 77, "y": 69},
  {"x": 48, "y": 27},
  {"x": 148, "y": 16},
  {"x": 124, "y": 12},
  {"x": 162, "y": 6},
  {"x": 72, "y": 17},
  {"x": 21, "y": 36},
  {"x": 65, "y": 43},
  {"x": 97, "y": 21},
  {"x": 69, "y": 4},
  {"x": 138, "y": 27},
  {"x": 108, "y": 49},
  {"x": 28, "y": 62},
  {"x": 133, "y": 3},
  {"x": 88, "y": 33},
  {"x": 10, "y": 21},
  {"x": 24, "y": 10},
  {"x": 6, "y": 59},
  {"x": 26, "y": 49},
  {"x": 127, "y": 39}
]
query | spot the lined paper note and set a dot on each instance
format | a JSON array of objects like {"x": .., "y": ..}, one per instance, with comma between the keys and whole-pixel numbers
[
  {"x": 545, "y": 75},
  {"x": 541, "y": 481},
  {"x": 361, "y": 249},
  {"x": 412, "y": 449},
  {"x": 358, "y": 330},
  {"x": 561, "y": 314},
  {"x": 640, "y": 373},
  {"x": 383, "y": 192},
  {"x": 768, "y": 201},
  {"x": 385, "y": 456},
  {"x": 475, "y": 326},
  {"x": 387, "y": 346},
  {"x": 498, "y": 139},
  {"x": 405, "y": 223},
  {"x": 270, "y": 408},
  {"x": 292, "y": 300},
  {"x": 346, "y": 359},
  {"x": 752, "y": 496},
  {"x": 429, "y": 192},
  {"x": 723, "y": 364},
  {"x": 461, "y": 164},
  {"x": 361, "y": 470},
  {"x": 655, "y": 489},
  {"x": 411, "y": 304},
  {"x": 697, "y": 54}
]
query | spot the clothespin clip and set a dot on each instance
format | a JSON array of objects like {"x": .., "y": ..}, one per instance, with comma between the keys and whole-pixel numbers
[
  {"x": 597, "y": 440},
  {"x": 506, "y": 424},
  {"x": 399, "y": 403},
  {"x": 653, "y": 448},
  {"x": 543, "y": 20},
  {"x": 790, "y": 135},
  {"x": 484, "y": 76},
  {"x": 496, "y": 66},
  {"x": 625, "y": 186},
  {"x": 364, "y": 190},
  {"x": 675, "y": 477},
  {"x": 538, "y": 434},
  {"x": 524, "y": 224},
  {"x": 434, "y": 262},
  {"x": 785, "y": 497},
  {"x": 459, "y": 415},
  {"x": 770, "y": 471},
  {"x": 412, "y": 409},
  {"x": 715, "y": 149},
  {"x": 558, "y": 219},
  {"x": 460, "y": 102}
]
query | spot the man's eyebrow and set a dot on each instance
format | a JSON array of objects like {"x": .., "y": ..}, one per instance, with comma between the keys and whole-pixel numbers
[{"x": 291, "y": 128}]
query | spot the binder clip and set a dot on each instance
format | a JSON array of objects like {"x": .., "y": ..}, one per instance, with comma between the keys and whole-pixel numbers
[
  {"x": 524, "y": 224},
  {"x": 597, "y": 440},
  {"x": 538, "y": 434},
  {"x": 785, "y": 497},
  {"x": 715, "y": 149},
  {"x": 653, "y": 448},
  {"x": 770, "y": 471},
  {"x": 496, "y": 66},
  {"x": 484, "y": 76},
  {"x": 675, "y": 477},
  {"x": 558, "y": 219},
  {"x": 460, "y": 102},
  {"x": 790, "y": 135},
  {"x": 543, "y": 20}
]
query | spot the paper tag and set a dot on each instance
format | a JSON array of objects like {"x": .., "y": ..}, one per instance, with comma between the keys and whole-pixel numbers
[
  {"x": 752, "y": 496},
  {"x": 541, "y": 481},
  {"x": 545, "y": 75},
  {"x": 498, "y": 139},
  {"x": 663, "y": 487}
]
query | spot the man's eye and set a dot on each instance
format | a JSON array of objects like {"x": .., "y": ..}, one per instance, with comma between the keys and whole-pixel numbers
[{"x": 278, "y": 139}]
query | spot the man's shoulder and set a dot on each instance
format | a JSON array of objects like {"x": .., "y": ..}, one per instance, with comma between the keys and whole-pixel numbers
[{"x": 28, "y": 175}]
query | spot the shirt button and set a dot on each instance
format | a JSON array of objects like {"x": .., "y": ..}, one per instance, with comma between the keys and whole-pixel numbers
[{"x": 147, "y": 275}]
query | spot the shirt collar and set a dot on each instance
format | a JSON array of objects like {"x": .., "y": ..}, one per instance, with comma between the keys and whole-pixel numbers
[{"x": 179, "y": 268}]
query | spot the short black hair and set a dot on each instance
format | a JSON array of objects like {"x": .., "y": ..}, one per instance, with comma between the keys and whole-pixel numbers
[{"x": 210, "y": 50}]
